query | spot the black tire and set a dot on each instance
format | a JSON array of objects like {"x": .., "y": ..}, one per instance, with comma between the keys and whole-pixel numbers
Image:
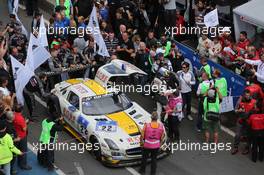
[
  {"x": 53, "y": 104},
  {"x": 96, "y": 153}
]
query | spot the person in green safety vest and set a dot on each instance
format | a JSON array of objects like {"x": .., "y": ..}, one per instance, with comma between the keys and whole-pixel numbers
[
  {"x": 211, "y": 103},
  {"x": 205, "y": 68},
  {"x": 7, "y": 148},
  {"x": 65, "y": 5},
  {"x": 201, "y": 91},
  {"x": 220, "y": 82},
  {"x": 48, "y": 137}
]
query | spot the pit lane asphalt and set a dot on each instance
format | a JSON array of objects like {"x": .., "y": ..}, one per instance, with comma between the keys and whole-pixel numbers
[{"x": 181, "y": 162}]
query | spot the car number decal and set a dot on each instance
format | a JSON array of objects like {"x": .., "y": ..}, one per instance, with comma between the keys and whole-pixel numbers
[{"x": 106, "y": 126}]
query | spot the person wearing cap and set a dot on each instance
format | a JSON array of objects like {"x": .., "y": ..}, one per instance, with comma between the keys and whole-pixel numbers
[
  {"x": 211, "y": 103},
  {"x": 7, "y": 149},
  {"x": 152, "y": 137}
]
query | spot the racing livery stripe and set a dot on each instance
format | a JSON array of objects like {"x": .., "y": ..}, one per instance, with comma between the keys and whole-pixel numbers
[
  {"x": 73, "y": 81},
  {"x": 125, "y": 122},
  {"x": 95, "y": 87}
]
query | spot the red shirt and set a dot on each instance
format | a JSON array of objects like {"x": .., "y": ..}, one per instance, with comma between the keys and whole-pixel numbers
[
  {"x": 20, "y": 123},
  {"x": 243, "y": 44}
]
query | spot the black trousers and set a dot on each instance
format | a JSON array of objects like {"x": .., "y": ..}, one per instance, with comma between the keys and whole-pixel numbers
[
  {"x": 173, "y": 123},
  {"x": 187, "y": 100},
  {"x": 199, "y": 123},
  {"x": 46, "y": 157},
  {"x": 145, "y": 156},
  {"x": 28, "y": 101},
  {"x": 257, "y": 147},
  {"x": 22, "y": 146}
]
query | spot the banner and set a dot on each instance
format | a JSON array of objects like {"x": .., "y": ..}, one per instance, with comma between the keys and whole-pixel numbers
[
  {"x": 211, "y": 19},
  {"x": 235, "y": 83}
]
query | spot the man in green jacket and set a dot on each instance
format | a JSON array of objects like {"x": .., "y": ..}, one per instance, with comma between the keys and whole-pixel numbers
[{"x": 7, "y": 149}]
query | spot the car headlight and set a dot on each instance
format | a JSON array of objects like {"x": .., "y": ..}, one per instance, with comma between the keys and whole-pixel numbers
[{"x": 111, "y": 144}]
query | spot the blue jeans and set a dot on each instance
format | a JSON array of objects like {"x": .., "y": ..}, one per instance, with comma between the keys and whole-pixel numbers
[
  {"x": 10, "y": 6},
  {"x": 7, "y": 168}
]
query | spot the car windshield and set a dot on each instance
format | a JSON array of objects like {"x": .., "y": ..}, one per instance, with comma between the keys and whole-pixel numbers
[{"x": 105, "y": 104}]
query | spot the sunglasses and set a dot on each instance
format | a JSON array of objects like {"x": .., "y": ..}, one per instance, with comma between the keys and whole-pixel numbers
[{"x": 184, "y": 67}]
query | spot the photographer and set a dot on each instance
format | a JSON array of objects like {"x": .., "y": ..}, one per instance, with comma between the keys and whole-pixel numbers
[{"x": 211, "y": 115}]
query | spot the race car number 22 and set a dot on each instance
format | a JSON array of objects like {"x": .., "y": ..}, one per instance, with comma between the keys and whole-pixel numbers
[{"x": 106, "y": 126}]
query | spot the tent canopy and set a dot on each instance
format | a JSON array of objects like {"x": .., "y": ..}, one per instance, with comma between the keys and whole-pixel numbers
[{"x": 248, "y": 14}]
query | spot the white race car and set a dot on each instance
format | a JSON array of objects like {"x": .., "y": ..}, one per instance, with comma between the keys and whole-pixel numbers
[{"x": 104, "y": 117}]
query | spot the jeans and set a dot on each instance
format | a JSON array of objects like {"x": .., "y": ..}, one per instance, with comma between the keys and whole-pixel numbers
[
  {"x": 145, "y": 155},
  {"x": 187, "y": 99},
  {"x": 22, "y": 146},
  {"x": 10, "y": 6},
  {"x": 241, "y": 130},
  {"x": 7, "y": 168}
]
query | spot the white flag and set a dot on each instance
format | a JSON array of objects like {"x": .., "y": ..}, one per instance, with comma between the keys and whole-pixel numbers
[
  {"x": 22, "y": 75},
  {"x": 211, "y": 19},
  {"x": 15, "y": 9},
  {"x": 42, "y": 36},
  {"x": 93, "y": 26},
  {"x": 37, "y": 56}
]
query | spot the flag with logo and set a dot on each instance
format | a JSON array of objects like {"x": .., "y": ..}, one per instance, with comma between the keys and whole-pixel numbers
[
  {"x": 93, "y": 26},
  {"x": 22, "y": 75},
  {"x": 42, "y": 36}
]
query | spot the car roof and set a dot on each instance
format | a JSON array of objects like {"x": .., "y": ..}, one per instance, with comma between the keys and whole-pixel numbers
[{"x": 86, "y": 87}]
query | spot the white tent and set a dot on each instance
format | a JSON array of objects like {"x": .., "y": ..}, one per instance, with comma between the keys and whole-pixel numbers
[{"x": 249, "y": 16}]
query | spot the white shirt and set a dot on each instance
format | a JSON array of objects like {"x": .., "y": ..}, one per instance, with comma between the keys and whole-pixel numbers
[
  {"x": 186, "y": 80},
  {"x": 171, "y": 5},
  {"x": 200, "y": 86},
  {"x": 260, "y": 70},
  {"x": 5, "y": 91}
]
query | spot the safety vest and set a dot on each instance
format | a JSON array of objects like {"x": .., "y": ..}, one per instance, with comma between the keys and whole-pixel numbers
[
  {"x": 167, "y": 48},
  {"x": 7, "y": 149},
  {"x": 213, "y": 107},
  {"x": 256, "y": 122},
  {"x": 204, "y": 87},
  {"x": 152, "y": 136},
  {"x": 45, "y": 133},
  {"x": 67, "y": 5},
  {"x": 207, "y": 69},
  {"x": 172, "y": 102},
  {"x": 222, "y": 86},
  {"x": 248, "y": 106}
]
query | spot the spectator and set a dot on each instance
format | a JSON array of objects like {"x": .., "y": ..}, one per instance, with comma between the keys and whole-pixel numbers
[
  {"x": 66, "y": 5},
  {"x": 170, "y": 13},
  {"x": 7, "y": 149},
  {"x": 260, "y": 68},
  {"x": 3, "y": 86},
  {"x": 136, "y": 40},
  {"x": 20, "y": 125},
  {"x": 186, "y": 80},
  {"x": 150, "y": 40},
  {"x": 204, "y": 44},
  {"x": 180, "y": 23},
  {"x": 103, "y": 10},
  {"x": 111, "y": 43},
  {"x": 125, "y": 48},
  {"x": 199, "y": 12},
  {"x": 243, "y": 42},
  {"x": 215, "y": 50},
  {"x": 244, "y": 107}
]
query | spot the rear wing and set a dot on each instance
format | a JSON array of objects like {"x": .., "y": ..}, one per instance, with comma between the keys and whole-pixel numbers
[{"x": 116, "y": 68}]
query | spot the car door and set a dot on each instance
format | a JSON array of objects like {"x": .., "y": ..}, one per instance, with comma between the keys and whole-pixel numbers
[{"x": 71, "y": 109}]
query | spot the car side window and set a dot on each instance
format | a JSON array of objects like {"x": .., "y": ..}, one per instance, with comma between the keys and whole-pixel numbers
[{"x": 73, "y": 99}]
